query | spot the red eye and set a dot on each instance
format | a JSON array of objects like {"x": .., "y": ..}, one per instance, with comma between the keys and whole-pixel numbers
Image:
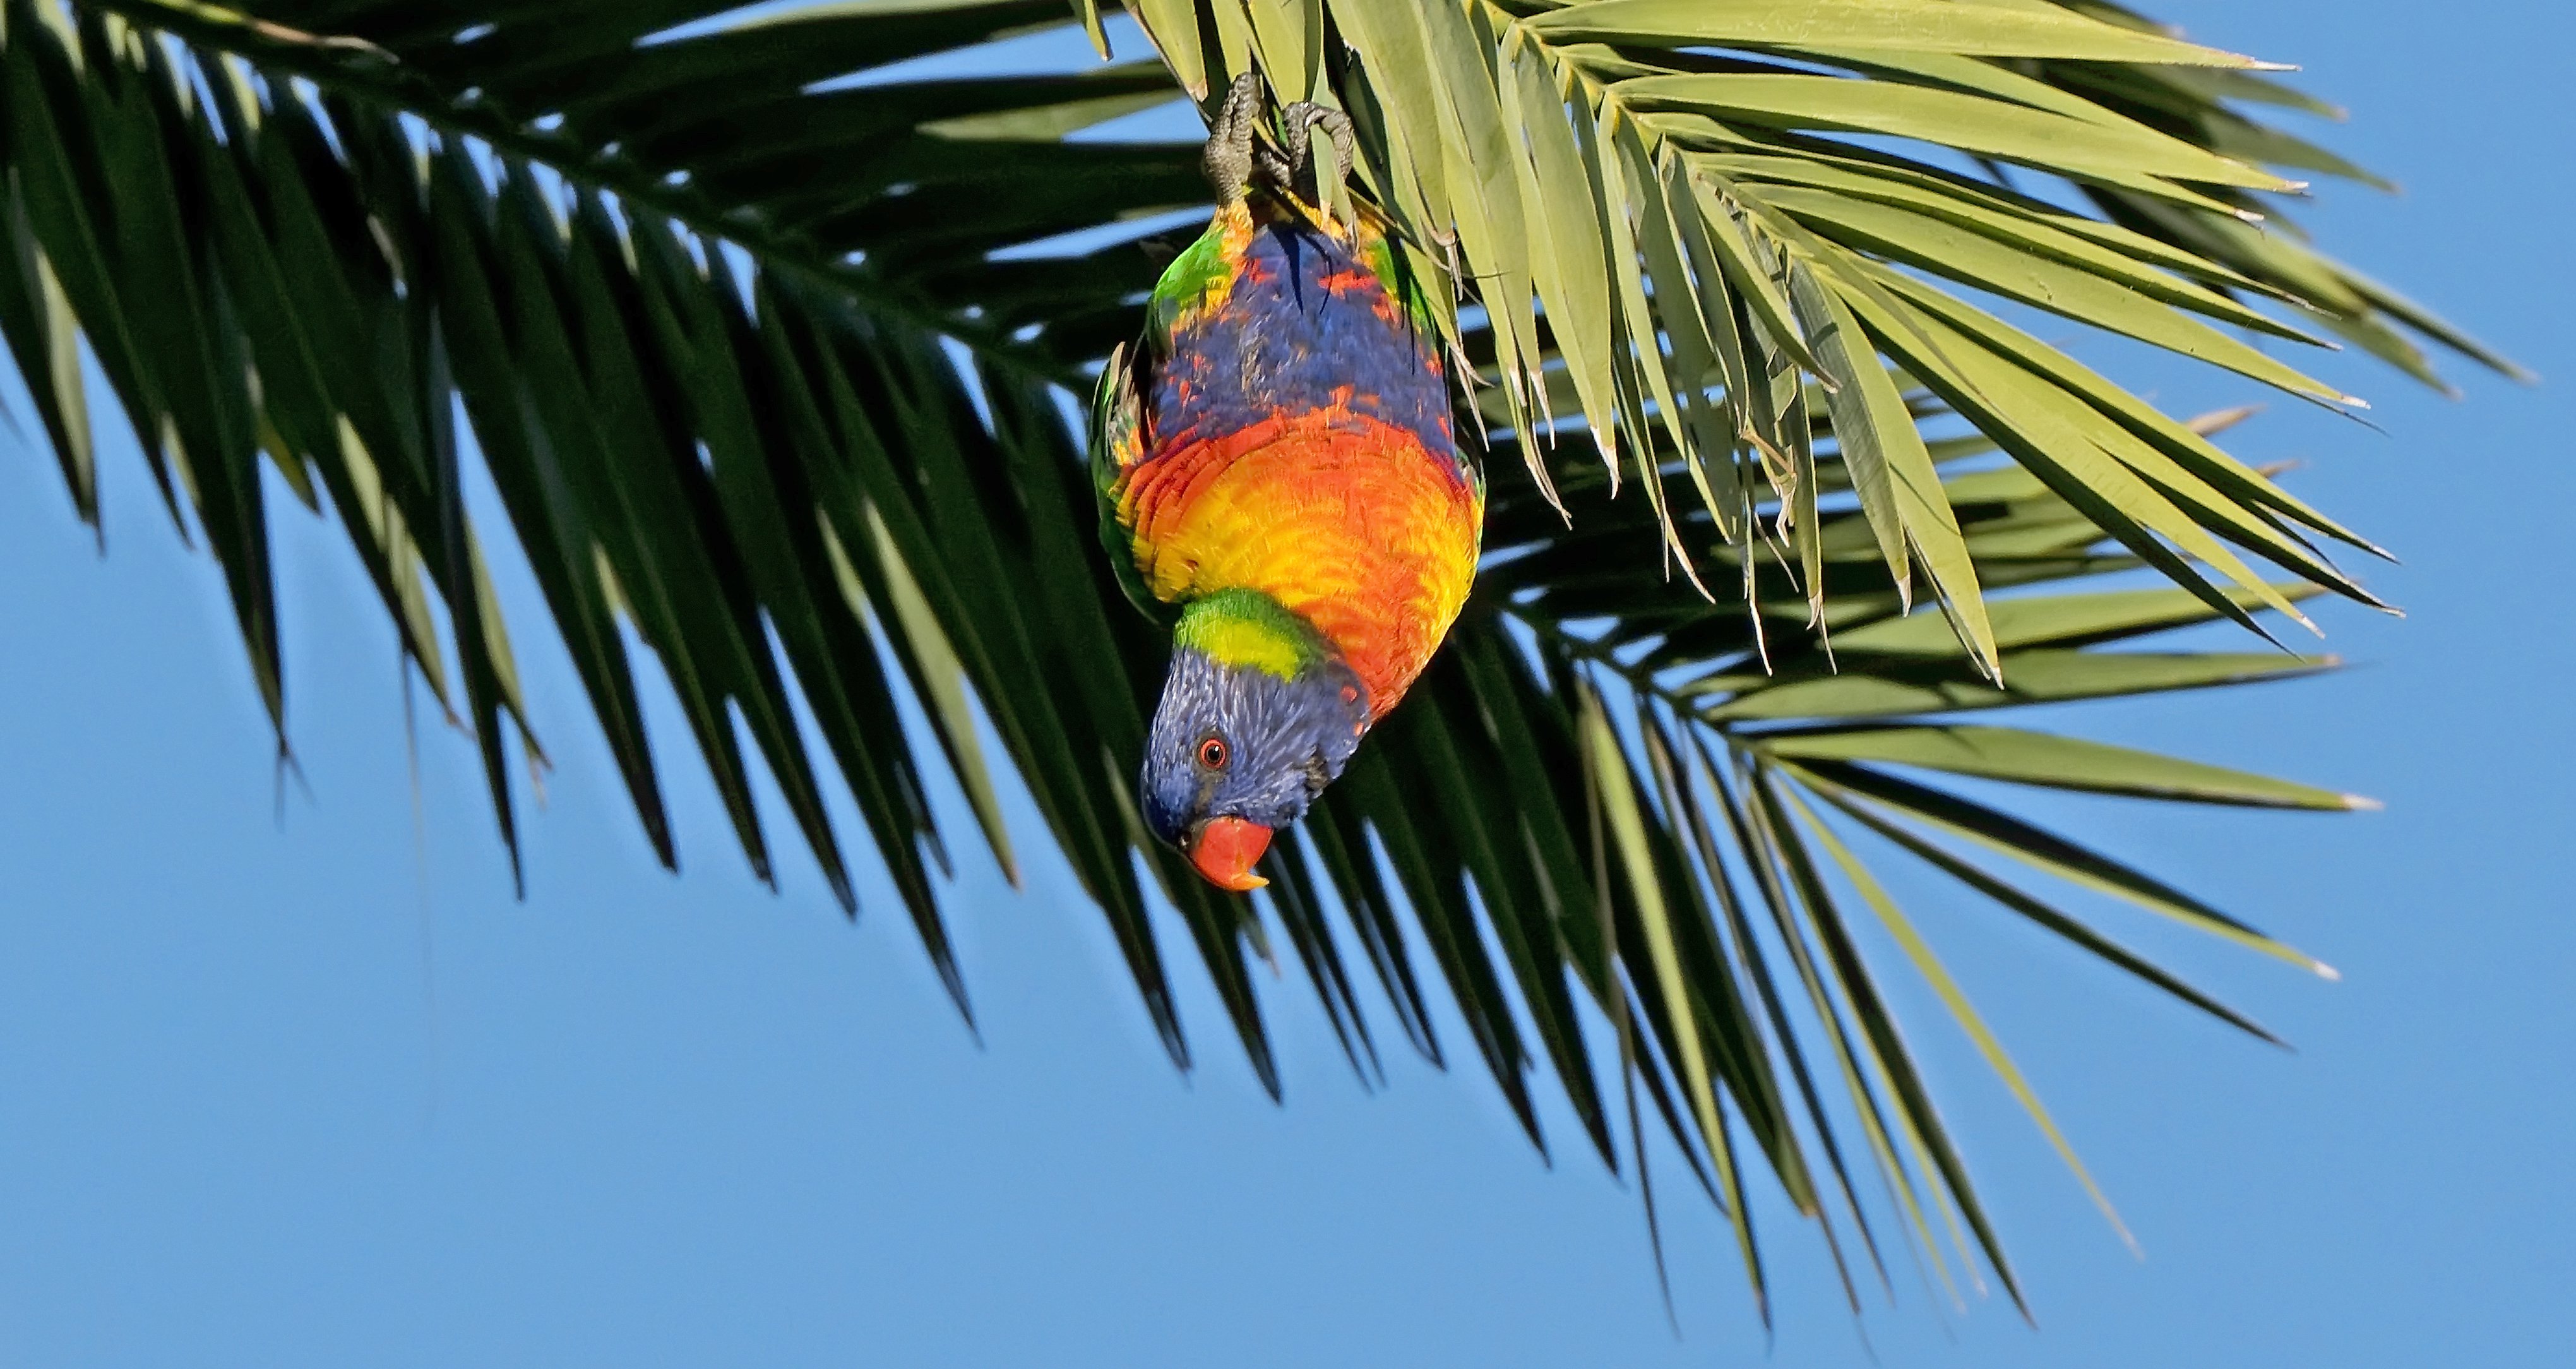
[{"x": 1213, "y": 753}]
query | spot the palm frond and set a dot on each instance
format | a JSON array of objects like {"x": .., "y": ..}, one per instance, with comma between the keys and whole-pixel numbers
[
  {"x": 1736, "y": 228},
  {"x": 755, "y": 328}
]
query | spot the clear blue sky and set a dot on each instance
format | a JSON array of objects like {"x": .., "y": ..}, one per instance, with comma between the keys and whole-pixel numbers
[{"x": 312, "y": 1094}]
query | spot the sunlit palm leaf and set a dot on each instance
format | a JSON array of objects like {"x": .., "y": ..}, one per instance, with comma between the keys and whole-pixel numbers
[
  {"x": 1709, "y": 137},
  {"x": 732, "y": 339}
]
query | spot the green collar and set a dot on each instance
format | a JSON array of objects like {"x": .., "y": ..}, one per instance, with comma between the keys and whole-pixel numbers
[{"x": 1247, "y": 629}]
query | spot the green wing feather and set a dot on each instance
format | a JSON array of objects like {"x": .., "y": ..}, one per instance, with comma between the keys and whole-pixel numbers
[{"x": 1117, "y": 442}]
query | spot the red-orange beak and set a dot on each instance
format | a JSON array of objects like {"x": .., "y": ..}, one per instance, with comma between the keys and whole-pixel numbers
[{"x": 1225, "y": 850}]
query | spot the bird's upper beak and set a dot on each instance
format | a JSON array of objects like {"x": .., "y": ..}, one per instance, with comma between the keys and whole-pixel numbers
[{"x": 1225, "y": 850}]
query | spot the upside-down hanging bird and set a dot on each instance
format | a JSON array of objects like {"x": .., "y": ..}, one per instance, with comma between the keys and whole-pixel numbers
[{"x": 1275, "y": 459}]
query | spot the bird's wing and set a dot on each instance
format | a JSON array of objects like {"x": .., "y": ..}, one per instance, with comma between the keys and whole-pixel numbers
[{"x": 1117, "y": 444}]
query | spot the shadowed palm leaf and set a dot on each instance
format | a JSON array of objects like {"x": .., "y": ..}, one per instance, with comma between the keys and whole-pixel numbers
[{"x": 769, "y": 368}]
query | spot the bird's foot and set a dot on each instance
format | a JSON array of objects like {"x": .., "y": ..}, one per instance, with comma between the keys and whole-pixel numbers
[
  {"x": 1237, "y": 152},
  {"x": 1302, "y": 119},
  {"x": 1233, "y": 150}
]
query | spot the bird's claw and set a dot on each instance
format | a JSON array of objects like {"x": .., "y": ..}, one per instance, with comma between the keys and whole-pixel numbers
[
  {"x": 1302, "y": 119},
  {"x": 1229, "y": 158},
  {"x": 1237, "y": 153}
]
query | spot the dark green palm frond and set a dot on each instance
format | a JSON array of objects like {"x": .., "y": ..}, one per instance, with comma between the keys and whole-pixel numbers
[
  {"x": 300, "y": 251},
  {"x": 1685, "y": 780},
  {"x": 768, "y": 367}
]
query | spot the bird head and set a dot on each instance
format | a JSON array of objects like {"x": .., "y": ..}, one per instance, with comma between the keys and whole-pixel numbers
[{"x": 1259, "y": 713}]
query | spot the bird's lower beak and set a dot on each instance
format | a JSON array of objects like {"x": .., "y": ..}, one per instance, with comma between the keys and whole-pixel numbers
[{"x": 1225, "y": 850}]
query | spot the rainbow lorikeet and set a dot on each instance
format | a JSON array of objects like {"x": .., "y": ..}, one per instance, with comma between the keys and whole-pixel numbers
[{"x": 1275, "y": 459}]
